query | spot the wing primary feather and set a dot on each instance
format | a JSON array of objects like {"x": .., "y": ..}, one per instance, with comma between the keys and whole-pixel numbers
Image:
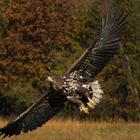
[
  {"x": 107, "y": 43},
  {"x": 99, "y": 53},
  {"x": 36, "y": 115}
]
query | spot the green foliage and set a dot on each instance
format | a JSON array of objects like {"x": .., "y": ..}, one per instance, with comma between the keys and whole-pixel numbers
[{"x": 24, "y": 92}]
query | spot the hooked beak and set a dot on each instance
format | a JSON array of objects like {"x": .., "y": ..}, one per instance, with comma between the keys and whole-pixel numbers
[{"x": 50, "y": 79}]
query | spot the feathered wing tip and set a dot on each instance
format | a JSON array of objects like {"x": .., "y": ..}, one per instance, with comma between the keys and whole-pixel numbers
[
  {"x": 36, "y": 115},
  {"x": 113, "y": 18},
  {"x": 95, "y": 58},
  {"x": 96, "y": 91}
]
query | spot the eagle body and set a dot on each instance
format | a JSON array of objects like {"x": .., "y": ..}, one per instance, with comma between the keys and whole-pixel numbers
[
  {"x": 76, "y": 85},
  {"x": 71, "y": 83},
  {"x": 67, "y": 84},
  {"x": 72, "y": 86}
]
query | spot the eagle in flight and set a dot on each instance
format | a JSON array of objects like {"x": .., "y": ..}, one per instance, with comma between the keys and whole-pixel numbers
[{"x": 76, "y": 84}]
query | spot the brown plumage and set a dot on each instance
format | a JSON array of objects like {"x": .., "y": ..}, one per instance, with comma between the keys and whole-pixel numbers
[{"x": 74, "y": 86}]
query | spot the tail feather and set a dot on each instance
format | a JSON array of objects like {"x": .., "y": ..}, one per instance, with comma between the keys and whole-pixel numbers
[
  {"x": 96, "y": 91},
  {"x": 97, "y": 95}
]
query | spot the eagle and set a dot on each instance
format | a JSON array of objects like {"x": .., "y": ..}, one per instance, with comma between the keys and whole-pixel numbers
[{"x": 76, "y": 85}]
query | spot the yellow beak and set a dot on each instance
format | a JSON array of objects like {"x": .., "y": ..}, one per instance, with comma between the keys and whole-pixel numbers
[{"x": 49, "y": 79}]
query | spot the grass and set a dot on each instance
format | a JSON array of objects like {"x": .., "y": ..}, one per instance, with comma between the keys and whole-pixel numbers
[{"x": 76, "y": 130}]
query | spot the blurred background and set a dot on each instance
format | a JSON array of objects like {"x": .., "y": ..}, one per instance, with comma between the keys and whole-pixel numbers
[{"x": 44, "y": 37}]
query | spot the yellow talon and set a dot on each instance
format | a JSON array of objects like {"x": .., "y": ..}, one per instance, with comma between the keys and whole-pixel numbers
[
  {"x": 91, "y": 102},
  {"x": 84, "y": 109}
]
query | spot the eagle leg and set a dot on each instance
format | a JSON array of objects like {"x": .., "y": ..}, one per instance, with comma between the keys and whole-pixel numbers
[
  {"x": 84, "y": 109},
  {"x": 90, "y": 103},
  {"x": 79, "y": 102},
  {"x": 83, "y": 90}
]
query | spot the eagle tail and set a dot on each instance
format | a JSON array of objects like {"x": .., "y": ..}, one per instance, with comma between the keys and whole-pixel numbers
[{"x": 96, "y": 92}]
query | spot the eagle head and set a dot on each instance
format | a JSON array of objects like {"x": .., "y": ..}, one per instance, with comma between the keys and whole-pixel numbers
[
  {"x": 50, "y": 79},
  {"x": 56, "y": 82}
]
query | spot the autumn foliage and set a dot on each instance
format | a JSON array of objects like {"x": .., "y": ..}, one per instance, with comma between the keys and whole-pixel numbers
[{"x": 30, "y": 30}]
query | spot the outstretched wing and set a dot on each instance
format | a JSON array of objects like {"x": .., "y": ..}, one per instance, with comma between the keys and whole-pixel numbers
[
  {"x": 35, "y": 116},
  {"x": 98, "y": 54}
]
